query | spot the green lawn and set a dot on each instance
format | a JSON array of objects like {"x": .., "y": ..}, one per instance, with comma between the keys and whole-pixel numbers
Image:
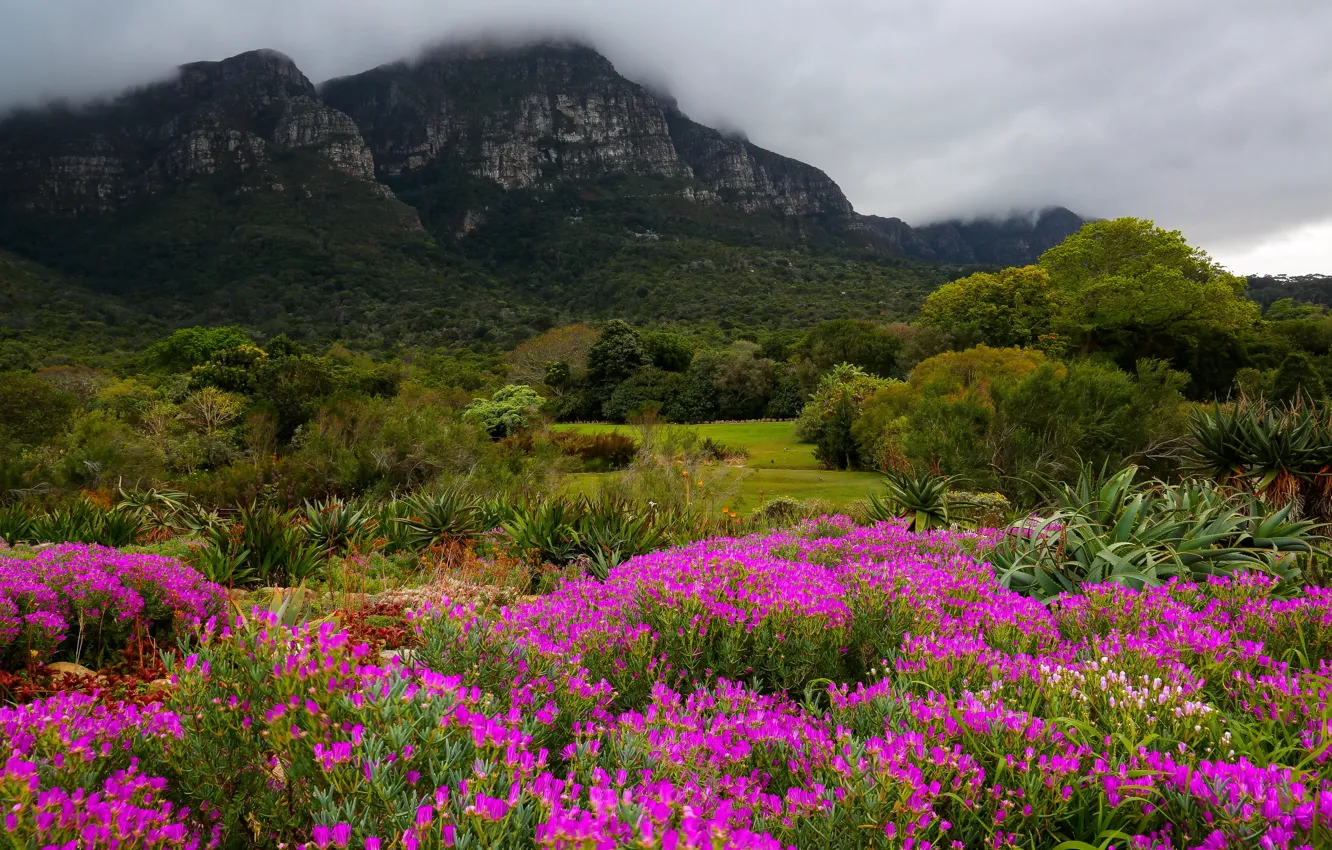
[
  {"x": 778, "y": 464},
  {"x": 771, "y": 444}
]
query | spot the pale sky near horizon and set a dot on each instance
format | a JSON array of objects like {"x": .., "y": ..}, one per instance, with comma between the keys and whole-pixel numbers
[{"x": 1213, "y": 117}]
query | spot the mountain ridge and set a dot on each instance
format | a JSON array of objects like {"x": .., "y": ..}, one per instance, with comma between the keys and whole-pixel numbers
[{"x": 514, "y": 177}]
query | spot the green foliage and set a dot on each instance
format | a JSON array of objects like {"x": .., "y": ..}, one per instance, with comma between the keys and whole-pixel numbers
[
  {"x": 599, "y": 452},
  {"x": 32, "y": 410},
  {"x": 190, "y": 347},
  {"x": 872, "y": 347},
  {"x": 234, "y": 369},
  {"x": 1005, "y": 418},
  {"x": 1107, "y": 528},
  {"x": 1297, "y": 380},
  {"x": 667, "y": 351},
  {"x": 647, "y": 389},
  {"x": 79, "y": 521},
  {"x": 829, "y": 416},
  {"x": 1286, "y": 309},
  {"x": 1012, "y": 307},
  {"x": 510, "y": 410},
  {"x": 1133, "y": 290}
]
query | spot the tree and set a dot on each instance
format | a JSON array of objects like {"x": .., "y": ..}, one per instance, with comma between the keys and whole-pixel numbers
[
  {"x": 1006, "y": 308},
  {"x": 872, "y": 347},
  {"x": 511, "y": 409},
  {"x": 973, "y": 371},
  {"x": 1297, "y": 379},
  {"x": 1285, "y": 310},
  {"x": 210, "y": 410},
  {"x": 1132, "y": 289},
  {"x": 568, "y": 344},
  {"x": 648, "y": 387},
  {"x": 745, "y": 381},
  {"x": 234, "y": 370},
  {"x": 617, "y": 354},
  {"x": 291, "y": 387},
  {"x": 668, "y": 351},
  {"x": 32, "y": 411},
  {"x": 189, "y": 347},
  {"x": 827, "y": 420}
]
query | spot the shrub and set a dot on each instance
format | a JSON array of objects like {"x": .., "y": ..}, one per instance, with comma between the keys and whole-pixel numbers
[
  {"x": 599, "y": 452},
  {"x": 509, "y": 410}
]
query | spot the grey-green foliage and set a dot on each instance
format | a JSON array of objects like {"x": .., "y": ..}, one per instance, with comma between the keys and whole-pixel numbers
[{"x": 1111, "y": 528}]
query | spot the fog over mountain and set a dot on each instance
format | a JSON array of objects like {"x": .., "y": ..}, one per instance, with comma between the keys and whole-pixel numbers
[{"x": 1209, "y": 116}]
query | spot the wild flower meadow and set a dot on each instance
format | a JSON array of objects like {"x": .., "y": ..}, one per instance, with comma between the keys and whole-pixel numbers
[{"x": 825, "y": 687}]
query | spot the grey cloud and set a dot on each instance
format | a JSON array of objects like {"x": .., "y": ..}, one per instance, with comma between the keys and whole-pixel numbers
[{"x": 1210, "y": 116}]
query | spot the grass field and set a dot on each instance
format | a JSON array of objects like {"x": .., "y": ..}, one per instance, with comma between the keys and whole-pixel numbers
[{"x": 778, "y": 464}]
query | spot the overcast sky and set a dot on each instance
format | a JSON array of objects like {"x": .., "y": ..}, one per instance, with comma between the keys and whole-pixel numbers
[{"x": 1213, "y": 117}]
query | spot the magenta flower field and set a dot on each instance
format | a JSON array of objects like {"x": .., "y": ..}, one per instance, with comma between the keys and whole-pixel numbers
[{"x": 825, "y": 687}]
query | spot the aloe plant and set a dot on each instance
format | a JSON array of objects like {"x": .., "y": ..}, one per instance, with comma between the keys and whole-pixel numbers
[
  {"x": 1110, "y": 528},
  {"x": 1283, "y": 454},
  {"x": 334, "y": 526},
  {"x": 922, "y": 499},
  {"x": 448, "y": 516}
]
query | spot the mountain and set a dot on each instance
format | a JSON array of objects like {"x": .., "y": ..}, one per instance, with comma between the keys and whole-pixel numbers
[
  {"x": 1013, "y": 241},
  {"x": 470, "y": 192},
  {"x": 1315, "y": 289}
]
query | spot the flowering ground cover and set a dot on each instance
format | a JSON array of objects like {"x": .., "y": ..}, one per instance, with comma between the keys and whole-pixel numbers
[
  {"x": 75, "y": 602},
  {"x": 824, "y": 687}
]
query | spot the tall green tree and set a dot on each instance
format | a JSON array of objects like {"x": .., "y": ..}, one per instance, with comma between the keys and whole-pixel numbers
[
  {"x": 1012, "y": 307},
  {"x": 1132, "y": 289},
  {"x": 617, "y": 354},
  {"x": 874, "y": 348},
  {"x": 1297, "y": 378}
]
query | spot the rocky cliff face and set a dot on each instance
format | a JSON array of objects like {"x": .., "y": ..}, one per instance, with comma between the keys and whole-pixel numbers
[
  {"x": 518, "y": 118},
  {"x": 540, "y": 116},
  {"x": 513, "y": 144},
  {"x": 236, "y": 114},
  {"x": 751, "y": 178}
]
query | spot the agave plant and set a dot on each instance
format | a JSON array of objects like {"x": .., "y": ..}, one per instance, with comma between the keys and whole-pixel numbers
[
  {"x": 922, "y": 499},
  {"x": 612, "y": 531},
  {"x": 15, "y": 524},
  {"x": 334, "y": 526},
  {"x": 152, "y": 504},
  {"x": 81, "y": 521},
  {"x": 430, "y": 519},
  {"x": 1109, "y": 528},
  {"x": 546, "y": 532},
  {"x": 263, "y": 546}
]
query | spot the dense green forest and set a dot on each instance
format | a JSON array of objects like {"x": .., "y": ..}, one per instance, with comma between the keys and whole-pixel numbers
[{"x": 1100, "y": 353}]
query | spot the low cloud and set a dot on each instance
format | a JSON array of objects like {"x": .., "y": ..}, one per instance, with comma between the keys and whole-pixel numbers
[{"x": 1210, "y": 116}]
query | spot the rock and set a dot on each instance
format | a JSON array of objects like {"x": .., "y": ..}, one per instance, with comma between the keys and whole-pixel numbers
[
  {"x": 66, "y": 668},
  {"x": 228, "y": 116},
  {"x": 406, "y": 656},
  {"x": 537, "y": 116}
]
